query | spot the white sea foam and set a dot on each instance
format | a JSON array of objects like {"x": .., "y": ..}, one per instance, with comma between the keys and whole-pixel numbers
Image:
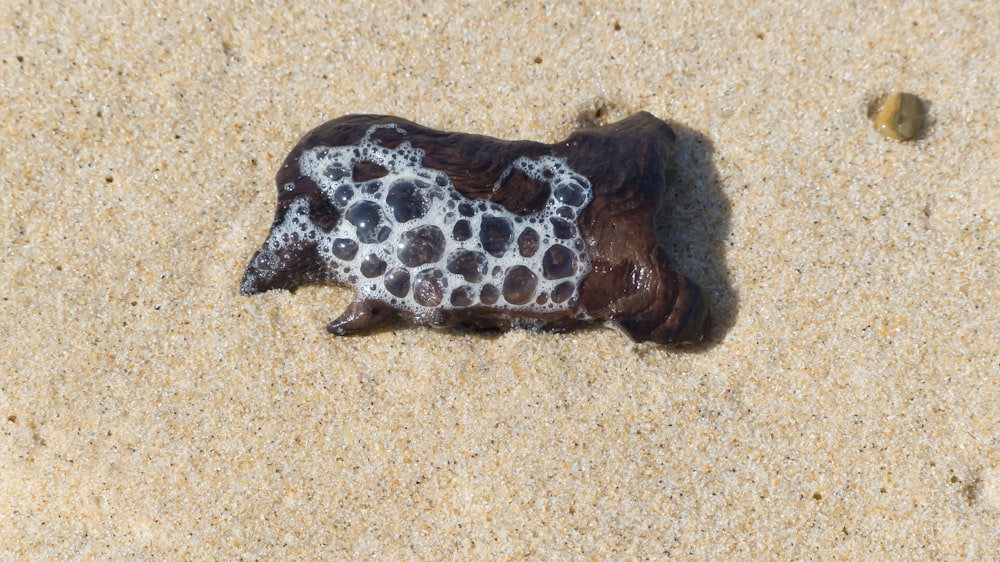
[{"x": 412, "y": 222}]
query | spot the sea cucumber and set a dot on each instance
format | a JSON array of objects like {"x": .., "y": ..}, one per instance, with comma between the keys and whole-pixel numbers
[{"x": 443, "y": 228}]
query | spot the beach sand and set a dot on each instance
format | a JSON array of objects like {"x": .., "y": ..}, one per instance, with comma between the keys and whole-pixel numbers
[{"x": 845, "y": 405}]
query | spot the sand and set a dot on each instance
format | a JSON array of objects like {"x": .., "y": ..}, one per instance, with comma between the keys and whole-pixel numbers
[{"x": 844, "y": 407}]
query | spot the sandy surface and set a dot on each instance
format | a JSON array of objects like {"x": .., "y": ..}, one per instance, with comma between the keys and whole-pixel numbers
[{"x": 846, "y": 407}]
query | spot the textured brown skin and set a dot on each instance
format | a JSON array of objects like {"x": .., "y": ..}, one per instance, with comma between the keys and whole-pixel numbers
[{"x": 631, "y": 283}]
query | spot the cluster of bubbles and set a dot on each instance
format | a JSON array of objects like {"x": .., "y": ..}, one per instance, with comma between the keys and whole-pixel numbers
[{"x": 409, "y": 238}]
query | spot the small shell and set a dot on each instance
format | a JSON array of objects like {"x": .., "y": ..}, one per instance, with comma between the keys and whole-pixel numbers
[{"x": 901, "y": 117}]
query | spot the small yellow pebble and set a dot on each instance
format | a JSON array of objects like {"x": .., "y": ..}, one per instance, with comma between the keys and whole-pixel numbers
[{"x": 901, "y": 117}]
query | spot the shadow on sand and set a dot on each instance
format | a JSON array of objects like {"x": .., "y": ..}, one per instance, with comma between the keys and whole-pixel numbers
[{"x": 693, "y": 227}]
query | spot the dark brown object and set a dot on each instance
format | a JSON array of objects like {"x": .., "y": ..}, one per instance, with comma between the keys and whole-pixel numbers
[{"x": 630, "y": 281}]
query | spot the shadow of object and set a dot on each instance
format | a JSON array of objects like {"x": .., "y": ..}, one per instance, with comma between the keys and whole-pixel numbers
[{"x": 692, "y": 225}]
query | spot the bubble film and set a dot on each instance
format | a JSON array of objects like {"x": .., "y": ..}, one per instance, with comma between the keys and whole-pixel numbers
[{"x": 409, "y": 238}]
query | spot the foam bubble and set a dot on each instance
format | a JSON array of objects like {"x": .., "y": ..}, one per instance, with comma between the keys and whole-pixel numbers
[{"x": 420, "y": 244}]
